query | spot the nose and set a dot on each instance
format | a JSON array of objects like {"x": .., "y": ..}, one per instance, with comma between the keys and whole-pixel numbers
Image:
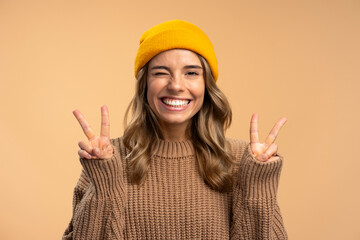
[{"x": 176, "y": 83}]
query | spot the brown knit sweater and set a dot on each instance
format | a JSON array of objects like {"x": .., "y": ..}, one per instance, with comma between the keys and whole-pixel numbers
[{"x": 175, "y": 202}]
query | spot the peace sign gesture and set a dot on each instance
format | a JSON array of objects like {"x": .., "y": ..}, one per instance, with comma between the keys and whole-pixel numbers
[
  {"x": 264, "y": 151},
  {"x": 98, "y": 147}
]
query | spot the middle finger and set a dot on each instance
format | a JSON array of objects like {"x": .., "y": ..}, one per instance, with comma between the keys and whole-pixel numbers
[{"x": 105, "y": 123}]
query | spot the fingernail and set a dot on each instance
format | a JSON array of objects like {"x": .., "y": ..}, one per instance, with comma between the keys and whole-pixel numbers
[
  {"x": 97, "y": 151},
  {"x": 263, "y": 157}
]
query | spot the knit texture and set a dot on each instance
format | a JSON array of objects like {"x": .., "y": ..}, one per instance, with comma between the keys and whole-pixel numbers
[
  {"x": 175, "y": 202},
  {"x": 175, "y": 34}
]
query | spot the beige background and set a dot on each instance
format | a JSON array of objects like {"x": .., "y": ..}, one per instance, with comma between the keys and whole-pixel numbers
[{"x": 298, "y": 59}]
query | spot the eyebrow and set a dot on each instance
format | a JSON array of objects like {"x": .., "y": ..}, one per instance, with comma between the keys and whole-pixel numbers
[
  {"x": 167, "y": 68},
  {"x": 193, "y": 66}
]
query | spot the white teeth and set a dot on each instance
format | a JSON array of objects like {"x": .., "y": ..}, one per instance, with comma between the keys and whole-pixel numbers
[{"x": 175, "y": 102}]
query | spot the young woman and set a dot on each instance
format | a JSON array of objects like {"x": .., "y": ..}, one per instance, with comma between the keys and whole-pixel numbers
[{"x": 173, "y": 174}]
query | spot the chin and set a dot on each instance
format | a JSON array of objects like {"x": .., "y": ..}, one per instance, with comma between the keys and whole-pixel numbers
[{"x": 174, "y": 121}]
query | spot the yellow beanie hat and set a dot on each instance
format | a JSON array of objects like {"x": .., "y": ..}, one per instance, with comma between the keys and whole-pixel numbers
[{"x": 175, "y": 34}]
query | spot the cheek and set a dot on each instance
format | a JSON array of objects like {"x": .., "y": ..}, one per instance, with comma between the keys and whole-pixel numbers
[
  {"x": 149, "y": 97},
  {"x": 151, "y": 94},
  {"x": 199, "y": 91},
  {"x": 148, "y": 92},
  {"x": 199, "y": 94},
  {"x": 201, "y": 102}
]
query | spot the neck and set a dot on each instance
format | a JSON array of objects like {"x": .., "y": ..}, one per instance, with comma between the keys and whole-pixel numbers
[{"x": 174, "y": 132}]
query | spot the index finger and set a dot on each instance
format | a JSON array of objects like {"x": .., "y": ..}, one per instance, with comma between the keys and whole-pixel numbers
[
  {"x": 84, "y": 125},
  {"x": 254, "y": 134},
  {"x": 275, "y": 131},
  {"x": 105, "y": 122}
]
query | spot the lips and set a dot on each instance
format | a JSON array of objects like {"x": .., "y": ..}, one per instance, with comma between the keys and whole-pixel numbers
[{"x": 173, "y": 102}]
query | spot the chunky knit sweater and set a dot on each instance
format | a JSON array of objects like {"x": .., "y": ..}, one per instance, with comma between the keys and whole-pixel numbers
[{"x": 175, "y": 202}]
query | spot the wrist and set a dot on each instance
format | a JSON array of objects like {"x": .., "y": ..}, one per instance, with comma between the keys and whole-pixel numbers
[
  {"x": 259, "y": 179},
  {"x": 104, "y": 174}
]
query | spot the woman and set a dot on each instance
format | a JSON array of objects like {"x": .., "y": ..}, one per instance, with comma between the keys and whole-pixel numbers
[{"x": 173, "y": 174}]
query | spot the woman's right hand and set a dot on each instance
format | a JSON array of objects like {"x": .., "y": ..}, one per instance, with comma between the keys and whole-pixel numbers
[{"x": 98, "y": 147}]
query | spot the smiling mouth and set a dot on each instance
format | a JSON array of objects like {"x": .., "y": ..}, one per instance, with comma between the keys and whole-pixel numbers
[{"x": 175, "y": 102}]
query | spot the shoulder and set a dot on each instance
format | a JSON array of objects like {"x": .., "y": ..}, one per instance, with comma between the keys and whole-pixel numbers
[
  {"x": 120, "y": 149},
  {"x": 235, "y": 143},
  {"x": 237, "y": 147},
  {"x": 118, "y": 145},
  {"x": 117, "y": 142}
]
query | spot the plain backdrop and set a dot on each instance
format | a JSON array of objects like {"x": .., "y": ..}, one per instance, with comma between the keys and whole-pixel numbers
[{"x": 298, "y": 59}]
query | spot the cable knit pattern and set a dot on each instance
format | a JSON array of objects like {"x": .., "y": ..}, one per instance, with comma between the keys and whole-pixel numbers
[{"x": 174, "y": 202}]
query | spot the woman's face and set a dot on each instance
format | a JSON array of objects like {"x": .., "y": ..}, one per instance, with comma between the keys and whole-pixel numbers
[{"x": 176, "y": 87}]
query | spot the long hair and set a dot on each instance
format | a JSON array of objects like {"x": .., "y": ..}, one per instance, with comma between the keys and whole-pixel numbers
[{"x": 206, "y": 131}]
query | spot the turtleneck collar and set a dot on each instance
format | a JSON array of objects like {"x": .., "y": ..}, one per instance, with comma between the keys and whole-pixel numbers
[{"x": 168, "y": 149}]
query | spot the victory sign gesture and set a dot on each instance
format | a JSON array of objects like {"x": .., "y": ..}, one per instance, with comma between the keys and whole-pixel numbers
[
  {"x": 98, "y": 147},
  {"x": 264, "y": 151}
]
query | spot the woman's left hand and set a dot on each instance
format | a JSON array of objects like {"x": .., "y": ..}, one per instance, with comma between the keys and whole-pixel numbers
[{"x": 264, "y": 152}]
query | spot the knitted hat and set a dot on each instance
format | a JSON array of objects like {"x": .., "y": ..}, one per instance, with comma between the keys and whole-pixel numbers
[{"x": 175, "y": 34}]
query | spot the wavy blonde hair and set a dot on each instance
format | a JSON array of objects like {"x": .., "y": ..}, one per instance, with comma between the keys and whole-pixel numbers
[{"x": 206, "y": 131}]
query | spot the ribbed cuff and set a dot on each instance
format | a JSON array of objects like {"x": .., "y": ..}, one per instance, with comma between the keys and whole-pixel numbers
[
  {"x": 259, "y": 179},
  {"x": 104, "y": 174}
]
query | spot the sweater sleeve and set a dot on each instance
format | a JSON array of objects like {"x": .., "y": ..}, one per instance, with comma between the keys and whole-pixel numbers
[
  {"x": 255, "y": 210},
  {"x": 98, "y": 201}
]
